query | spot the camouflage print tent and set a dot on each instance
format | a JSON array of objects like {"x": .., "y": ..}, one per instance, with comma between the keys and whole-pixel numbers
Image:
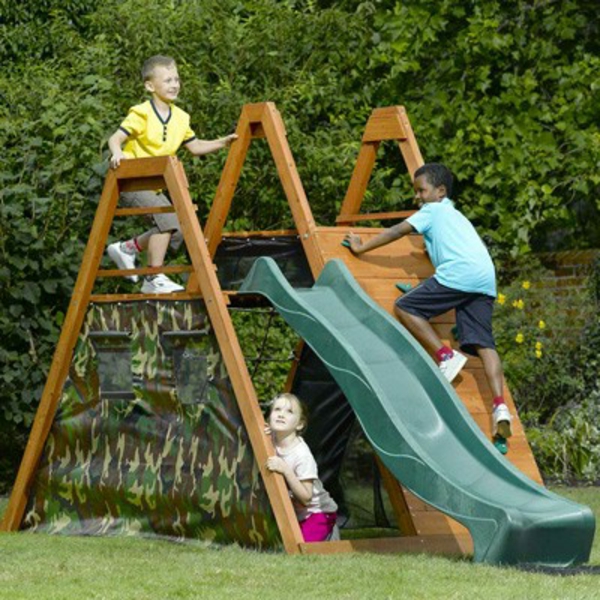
[{"x": 148, "y": 438}]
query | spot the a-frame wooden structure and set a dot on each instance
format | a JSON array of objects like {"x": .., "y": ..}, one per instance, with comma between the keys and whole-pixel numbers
[{"x": 425, "y": 529}]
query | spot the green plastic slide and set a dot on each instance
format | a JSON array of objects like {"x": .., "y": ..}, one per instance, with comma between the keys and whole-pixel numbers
[{"x": 420, "y": 427}]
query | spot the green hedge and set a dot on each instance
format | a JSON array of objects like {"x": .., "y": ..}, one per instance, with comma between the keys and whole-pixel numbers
[{"x": 505, "y": 92}]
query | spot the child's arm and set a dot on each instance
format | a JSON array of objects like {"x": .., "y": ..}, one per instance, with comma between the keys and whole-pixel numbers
[
  {"x": 199, "y": 147},
  {"x": 302, "y": 490},
  {"x": 117, "y": 139},
  {"x": 395, "y": 232}
]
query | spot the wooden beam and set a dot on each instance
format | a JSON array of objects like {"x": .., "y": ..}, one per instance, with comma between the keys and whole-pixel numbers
[
  {"x": 382, "y": 216},
  {"x": 292, "y": 186},
  {"x": 384, "y": 124},
  {"x": 142, "y": 184},
  {"x": 63, "y": 354},
  {"x": 408, "y": 146},
  {"x": 102, "y": 298},
  {"x": 397, "y": 500},
  {"x": 232, "y": 356},
  {"x": 145, "y": 210},
  {"x": 359, "y": 181},
  {"x": 144, "y": 271},
  {"x": 221, "y": 204},
  {"x": 450, "y": 545}
]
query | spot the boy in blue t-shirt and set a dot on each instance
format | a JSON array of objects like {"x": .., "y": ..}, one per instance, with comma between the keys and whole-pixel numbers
[{"x": 464, "y": 280}]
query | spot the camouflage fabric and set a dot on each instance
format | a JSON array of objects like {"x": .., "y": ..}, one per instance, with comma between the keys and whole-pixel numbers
[{"x": 148, "y": 438}]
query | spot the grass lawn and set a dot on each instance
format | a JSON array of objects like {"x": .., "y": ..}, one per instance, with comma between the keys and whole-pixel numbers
[{"x": 55, "y": 567}]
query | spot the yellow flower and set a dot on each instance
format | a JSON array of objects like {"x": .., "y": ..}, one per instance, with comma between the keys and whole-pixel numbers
[
  {"x": 518, "y": 304},
  {"x": 520, "y": 338},
  {"x": 538, "y": 354},
  {"x": 542, "y": 325},
  {"x": 526, "y": 285},
  {"x": 501, "y": 298},
  {"x": 538, "y": 346}
]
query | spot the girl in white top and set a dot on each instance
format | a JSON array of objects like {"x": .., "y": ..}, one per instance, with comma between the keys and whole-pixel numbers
[{"x": 315, "y": 509}]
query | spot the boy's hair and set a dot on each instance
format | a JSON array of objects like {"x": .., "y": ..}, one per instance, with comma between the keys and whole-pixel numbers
[
  {"x": 155, "y": 61},
  {"x": 437, "y": 175},
  {"x": 294, "y": 400}
]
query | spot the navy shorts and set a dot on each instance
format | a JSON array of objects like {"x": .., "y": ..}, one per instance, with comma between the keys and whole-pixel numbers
[{"x": 473, "y": 311}]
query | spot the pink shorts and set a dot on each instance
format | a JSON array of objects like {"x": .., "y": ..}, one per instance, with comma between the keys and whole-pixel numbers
[{"x": 318, "y": 526}]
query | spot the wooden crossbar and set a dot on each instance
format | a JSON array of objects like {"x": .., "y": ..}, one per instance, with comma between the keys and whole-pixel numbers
[
  {"x": 146, "y": 210},
  {"x": 381, "y": 216},
  {"x": 145, "y": 271}
]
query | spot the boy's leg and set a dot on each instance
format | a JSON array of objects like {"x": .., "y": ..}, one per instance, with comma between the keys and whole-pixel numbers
[
  {"x": 493, "y": 370},
  {"x": 421, "y": 329},
  {"x": 414, "y": 310},
  {"x": 492, "y": 366},
  {"x": 157, "y": 248},
  {"x": 474, "y": 320}
]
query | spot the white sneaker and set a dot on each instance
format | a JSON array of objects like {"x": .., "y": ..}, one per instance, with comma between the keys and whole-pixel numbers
[
  {"x": 452, "y": 366},
  {"x": 122, "y": 259},
  {"x": 501, "y": 421},
  {"x": 160, "y": 284}
]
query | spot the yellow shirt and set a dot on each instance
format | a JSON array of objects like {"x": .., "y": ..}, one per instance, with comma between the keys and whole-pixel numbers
[{"x": 150, "y": 135}]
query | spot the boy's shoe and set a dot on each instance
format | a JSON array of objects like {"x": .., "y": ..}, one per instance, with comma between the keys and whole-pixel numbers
[
  {"x": 160, "y": 284},
  {"x": 122, "y": 259},
  {"x": 501, "y": 421},
  {"x": 501, "y": 444},
  {"x": 452, "y": 366}
]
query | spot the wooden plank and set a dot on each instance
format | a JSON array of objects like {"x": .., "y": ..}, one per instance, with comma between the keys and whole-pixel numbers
[
  {"x": 359, "y": 181},
  {"x": 230, "y": 176},
  {"x": 451, "y": 545},
  {"x": 260, "y": 234},
  {"x": 409, "y": 147},
  {"x": 397, "y": 500},
  {"x": 233, "y": 357},
  {"x": 384, "y": 124},
  {"x": 102, "y": 298},
  {"x": 145, "y": 210},
  {"x": 62, "y": 356},
  {"x": 145, "y": 271},
  {"x": 292, "y": 186},
  {"x": 381, "y": 216},
  {"x": 142, "y": 184}
]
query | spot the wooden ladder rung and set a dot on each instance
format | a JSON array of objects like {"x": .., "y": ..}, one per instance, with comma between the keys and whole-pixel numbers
[
  {"x": 382, "y": 216},
  {"x": 99, "y": 298},
  {"x": 144, "y": 271},
  {"x": 146, "y": 210}
]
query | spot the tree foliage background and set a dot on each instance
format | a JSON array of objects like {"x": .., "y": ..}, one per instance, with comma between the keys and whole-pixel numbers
[{"x": 505, "y": 93}]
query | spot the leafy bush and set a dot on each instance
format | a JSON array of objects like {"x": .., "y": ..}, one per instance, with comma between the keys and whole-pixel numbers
[
  {"x": 550, "y": 361},
  {"x": 567, "y": 447},
  {"x": 505, "y": 93}
]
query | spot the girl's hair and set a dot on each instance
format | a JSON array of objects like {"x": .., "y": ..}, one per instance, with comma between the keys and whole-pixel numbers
[
  {"x": 292, "y": 398},
  {"x": 155, "y": 61},
  {"x": 437, "y": 175}
]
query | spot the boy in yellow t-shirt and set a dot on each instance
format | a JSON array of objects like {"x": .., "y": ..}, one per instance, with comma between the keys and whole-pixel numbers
[{"x": 155, "y": 128}]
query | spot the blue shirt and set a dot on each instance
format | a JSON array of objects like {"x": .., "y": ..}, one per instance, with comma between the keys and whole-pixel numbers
[{"x": 458, "y": 254}]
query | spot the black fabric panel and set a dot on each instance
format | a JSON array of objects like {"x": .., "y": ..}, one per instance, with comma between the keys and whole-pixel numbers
[{"x": 235, "y": 257}]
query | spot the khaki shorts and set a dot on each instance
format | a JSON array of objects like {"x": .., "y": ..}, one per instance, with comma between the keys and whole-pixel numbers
[{"x": 164, "y": 223}]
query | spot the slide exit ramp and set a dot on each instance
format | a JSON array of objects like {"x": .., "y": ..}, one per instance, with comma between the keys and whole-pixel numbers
[{"x": 420, "y": 428}]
